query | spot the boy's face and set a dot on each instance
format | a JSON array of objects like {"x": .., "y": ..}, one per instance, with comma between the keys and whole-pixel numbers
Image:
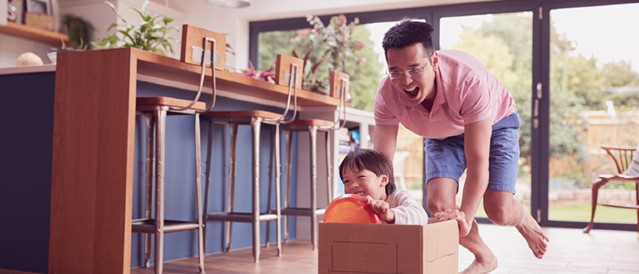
[
  {"x": 364, "y": 182},
  {"x": 411, "y": 73}
]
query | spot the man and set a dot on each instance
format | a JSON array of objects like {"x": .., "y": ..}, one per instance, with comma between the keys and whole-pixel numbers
[{"x": 469, "y": 120}]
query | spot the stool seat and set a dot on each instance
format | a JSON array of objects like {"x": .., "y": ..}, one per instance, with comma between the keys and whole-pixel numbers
[
  {"x": 302, "y": 125},
  {"x": 150, "y": 103},
  {"x": 242, "y": 116}
]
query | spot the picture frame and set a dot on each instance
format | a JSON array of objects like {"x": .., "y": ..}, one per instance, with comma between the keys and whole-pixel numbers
[
  {"x": 39, "y": 6},
  {"x": 15, "y": 11}
]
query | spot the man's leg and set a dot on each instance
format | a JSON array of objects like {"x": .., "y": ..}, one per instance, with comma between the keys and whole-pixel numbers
[
  {"x": 503, "y": 209},
  {"x": 441, "y": 196}
]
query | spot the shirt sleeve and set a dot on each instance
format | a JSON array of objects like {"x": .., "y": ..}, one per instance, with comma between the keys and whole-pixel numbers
[
  {"x": 406, "y": 209},
  {"x": 382, "y": 107}
]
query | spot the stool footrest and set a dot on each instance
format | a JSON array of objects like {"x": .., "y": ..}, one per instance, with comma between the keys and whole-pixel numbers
[
  {"x": 301, "y": 211},
  {"x": 239, "y": 217},
  {"x": 148, "y": 226}
]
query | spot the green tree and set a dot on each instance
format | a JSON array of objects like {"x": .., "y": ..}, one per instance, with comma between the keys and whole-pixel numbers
[
  {"x": 363, "y": 70},
  {"x": 365, "y": 78},
  {"x": 270, "y": 44},
  {"x": 577, "y": 82}
]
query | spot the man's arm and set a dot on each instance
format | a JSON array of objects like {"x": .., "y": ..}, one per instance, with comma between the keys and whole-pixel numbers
[
  {"x": 477, "y": 149},
  {"x": 385, "y": 140}
]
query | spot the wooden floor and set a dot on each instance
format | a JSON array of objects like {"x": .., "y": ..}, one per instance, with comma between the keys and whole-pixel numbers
[{"x": 570, "y": 251}]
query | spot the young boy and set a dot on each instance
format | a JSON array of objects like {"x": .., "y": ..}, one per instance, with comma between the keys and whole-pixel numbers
[{"x": 369, "y": 173}]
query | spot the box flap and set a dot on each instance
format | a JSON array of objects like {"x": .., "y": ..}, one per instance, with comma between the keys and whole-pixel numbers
[{"x": 441, "y": 247}]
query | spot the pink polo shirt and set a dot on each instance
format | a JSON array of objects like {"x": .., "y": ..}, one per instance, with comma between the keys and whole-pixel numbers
[{"x": 466, "y": 92}]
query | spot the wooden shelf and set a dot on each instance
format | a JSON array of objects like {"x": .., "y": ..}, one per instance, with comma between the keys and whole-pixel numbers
[{"x": 35, "y": 34}]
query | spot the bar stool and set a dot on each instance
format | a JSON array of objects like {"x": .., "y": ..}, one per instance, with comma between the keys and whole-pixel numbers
[
  {"x": 339, "y": 88},
  {"x": 155, "y": 111},
  {"x": 254, "y": 118}
]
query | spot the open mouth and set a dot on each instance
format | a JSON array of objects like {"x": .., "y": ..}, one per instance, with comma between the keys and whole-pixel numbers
[
  {"x": 360, "y": 193},
  {"x": 412, "y": 92}
]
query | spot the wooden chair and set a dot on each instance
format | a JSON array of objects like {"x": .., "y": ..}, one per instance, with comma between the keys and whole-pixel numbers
[{"x": 622, "y": 157}]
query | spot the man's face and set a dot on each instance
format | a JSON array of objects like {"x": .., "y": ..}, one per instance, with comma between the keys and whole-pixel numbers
[{"x": 411, "y": 74}]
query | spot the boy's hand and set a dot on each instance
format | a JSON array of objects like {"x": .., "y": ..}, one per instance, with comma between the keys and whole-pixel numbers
[
  {"x": 382, "y": 208},
  {"x": 459, "y": 216}
]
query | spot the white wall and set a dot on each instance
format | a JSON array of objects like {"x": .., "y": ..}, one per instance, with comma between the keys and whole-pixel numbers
[
  {"x": 11, "y": 47},
  {"x": 101, "y": 16}
]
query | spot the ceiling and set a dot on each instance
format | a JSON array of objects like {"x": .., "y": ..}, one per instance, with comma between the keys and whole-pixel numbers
[{"x": 274, "y": 9}]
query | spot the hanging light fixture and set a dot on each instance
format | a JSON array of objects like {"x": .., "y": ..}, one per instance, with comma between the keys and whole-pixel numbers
[{"x": 229, "y": 3}]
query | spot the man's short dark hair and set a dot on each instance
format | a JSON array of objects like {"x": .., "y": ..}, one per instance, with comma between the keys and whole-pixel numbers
[{"x": 408, "y": 32}]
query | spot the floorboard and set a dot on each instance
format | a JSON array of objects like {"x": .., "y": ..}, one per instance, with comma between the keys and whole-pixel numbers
[{"x": 570, "y": 251}]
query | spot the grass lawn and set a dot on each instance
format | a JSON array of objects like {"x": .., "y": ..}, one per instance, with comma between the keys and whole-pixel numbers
[{"x": 581, "y": 213}]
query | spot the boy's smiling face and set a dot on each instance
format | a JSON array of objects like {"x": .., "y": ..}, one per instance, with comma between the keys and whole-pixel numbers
[{"x": 364, "y": 182}]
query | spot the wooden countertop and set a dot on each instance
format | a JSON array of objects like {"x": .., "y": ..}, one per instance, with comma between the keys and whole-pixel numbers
[
  {"x": 27, "y": 69},
  {"x": 168, "y": 71}
]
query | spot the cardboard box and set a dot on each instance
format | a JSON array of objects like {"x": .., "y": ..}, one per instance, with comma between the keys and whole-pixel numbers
[
  {"x": 388, "y": 248},
  {"x": 37, "y": 20}
]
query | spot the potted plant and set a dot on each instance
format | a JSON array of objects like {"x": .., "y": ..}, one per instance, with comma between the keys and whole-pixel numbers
[
  {"x": 79, "y": 32},
  {"x": 326, "y": 47},
  {"x": 150, "y": 35}
]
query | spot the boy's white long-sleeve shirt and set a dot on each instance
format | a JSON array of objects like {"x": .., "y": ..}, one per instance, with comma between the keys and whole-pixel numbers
[{"x": 406, "y": 209}]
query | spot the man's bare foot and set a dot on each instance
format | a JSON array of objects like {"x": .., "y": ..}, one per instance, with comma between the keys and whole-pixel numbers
[
  {"x": 534, "y": 235},
  {"x": 477, "y": 267}
]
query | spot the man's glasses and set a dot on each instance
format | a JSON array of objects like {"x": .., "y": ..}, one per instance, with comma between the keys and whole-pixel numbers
[{"x": 412, "y": 72}]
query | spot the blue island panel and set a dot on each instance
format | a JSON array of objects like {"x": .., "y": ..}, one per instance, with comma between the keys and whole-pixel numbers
[{"x": 26, "y": 134}]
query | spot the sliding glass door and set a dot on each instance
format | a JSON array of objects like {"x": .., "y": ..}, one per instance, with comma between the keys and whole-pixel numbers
[
  {"x": 503, "y": 43},
  {"x": 594, "y": 98},
  {"x": 573, "y": 69}
]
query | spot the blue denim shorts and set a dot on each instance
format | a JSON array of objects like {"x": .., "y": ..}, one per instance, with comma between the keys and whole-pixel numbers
[{"x": 445, "y": 158}]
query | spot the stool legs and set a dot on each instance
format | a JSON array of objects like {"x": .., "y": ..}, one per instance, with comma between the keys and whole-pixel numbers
[
  {"x": 160, "y": 118},
  {"x": 255, "y": 216},
  {"x": 278, "y": 190},
  {"x": 150, "y": 159},
  {"x": 289, "y": 165},
  {"x": 231, "y": 195},
  {"x": 255, "y": 127},
  {"x": 198, "y": 192},
  {"x": 312, "y": 130},
  {"x": 312, "y": 211},
  {"x": 276, "y": 166},
  {"x": 329, "y": 166}
]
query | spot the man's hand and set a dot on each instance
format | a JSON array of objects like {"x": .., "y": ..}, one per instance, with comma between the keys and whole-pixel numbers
[
  {"x": 459, "y": 216},
  {"x": 382, "y": 208}
]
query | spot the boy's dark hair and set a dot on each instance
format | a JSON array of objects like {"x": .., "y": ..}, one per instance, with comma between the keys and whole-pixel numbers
[
  {"x": 408, "y": 32},
  {"x": 371, "y": 160}
]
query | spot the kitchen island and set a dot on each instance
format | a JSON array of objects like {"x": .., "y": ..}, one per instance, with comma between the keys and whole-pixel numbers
[{"x": 73, "y": 184}]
